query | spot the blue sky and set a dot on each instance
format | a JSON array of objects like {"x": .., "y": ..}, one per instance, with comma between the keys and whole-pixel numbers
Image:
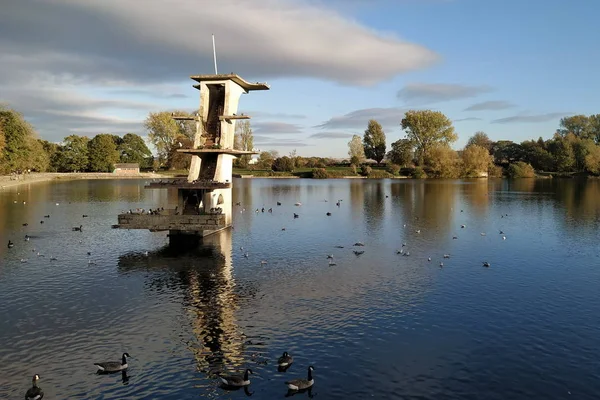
[{"x": 83, "y": 68}]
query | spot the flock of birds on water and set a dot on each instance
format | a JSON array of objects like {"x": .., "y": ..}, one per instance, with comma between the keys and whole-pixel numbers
[
  {"x": 232, "y": 381},
  {"x": 356, "y": 252},
  {"x": 228, "y": 380}
]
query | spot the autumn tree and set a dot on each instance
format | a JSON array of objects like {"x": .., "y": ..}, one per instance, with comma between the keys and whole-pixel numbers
[
  {"x": 176, "y": 160},
  {"x": 561, "y": 148},
  {"x": 133, "y": 149},
  {"x": 243, "y": 140},
  {"x": 592, "y": 161},
  {"x": 442, "y": 161},
  {"x": 163, "y": 130},
  {"x": 374, "y": 141},
  {"x": 402, "y": 152},
  {"x": 283, "y": 164},
  {"x": 427, "y": 129},
  {"x": 578, "y": 125},
  {"x": 475, "y": 160},
  {"x": 102, "y": 153},
  {"x": 480, "y": 139},
  {"x": 356, "y": 150}
]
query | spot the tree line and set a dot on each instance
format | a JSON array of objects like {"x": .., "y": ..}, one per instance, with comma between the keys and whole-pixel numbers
[
  {"x": 22, "y": 150},
  {"x": 574, "y": 148}
]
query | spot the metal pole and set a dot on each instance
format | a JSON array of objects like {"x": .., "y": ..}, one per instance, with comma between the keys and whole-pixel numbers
[{"x": 215, "y": 54}]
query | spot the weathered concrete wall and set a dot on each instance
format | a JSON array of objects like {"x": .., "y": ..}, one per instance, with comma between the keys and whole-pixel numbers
[{"x": 172, "y": 222}]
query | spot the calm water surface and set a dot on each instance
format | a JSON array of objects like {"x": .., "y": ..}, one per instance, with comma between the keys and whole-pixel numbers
[{"x": 379, "y": 325}]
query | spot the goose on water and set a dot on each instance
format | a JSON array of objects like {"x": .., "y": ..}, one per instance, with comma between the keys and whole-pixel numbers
[
  {"x": 236, "y": 379},
  {"x": 301, "y": 384},
  {"x": 113, "y": 366},
  {"x": 77, "y": 228},
  {"x": 10, "y": 244},
  {"x": 285, "y": 359},
  {"x": 486, "y": 264},
  {"x": 34, "y": 392}
]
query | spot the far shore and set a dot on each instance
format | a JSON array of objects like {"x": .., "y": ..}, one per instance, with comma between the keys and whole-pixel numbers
[{"x": 7, "y": 181}]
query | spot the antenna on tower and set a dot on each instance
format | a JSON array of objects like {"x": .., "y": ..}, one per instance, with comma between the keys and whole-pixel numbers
[{"x": 214, "y": 54}]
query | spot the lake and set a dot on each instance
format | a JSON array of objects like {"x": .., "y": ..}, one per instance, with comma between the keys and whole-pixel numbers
[{"x": 378, "y": 325}]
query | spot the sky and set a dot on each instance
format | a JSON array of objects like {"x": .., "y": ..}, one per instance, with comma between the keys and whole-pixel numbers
[{"x": 510, "y": 68}]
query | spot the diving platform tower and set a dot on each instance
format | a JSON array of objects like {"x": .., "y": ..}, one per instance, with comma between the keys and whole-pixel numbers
[{"x": 204, "y": 198}]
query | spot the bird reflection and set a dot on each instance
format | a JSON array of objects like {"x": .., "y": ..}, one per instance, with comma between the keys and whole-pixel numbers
[
  {"x": 247, "y": 391},
  {"x": 124, "y": 377},
  {"x": 308, "y": 392},
  {"x": 283, "y": 368}
]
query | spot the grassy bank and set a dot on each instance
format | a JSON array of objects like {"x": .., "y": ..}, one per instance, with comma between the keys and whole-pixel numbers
[{"x": 17, "y": 180}]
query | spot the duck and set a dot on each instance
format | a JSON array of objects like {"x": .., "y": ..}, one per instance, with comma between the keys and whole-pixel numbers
[
  {"x": 328, "y": 214},
  {"x": 301, "y": 384},
  {"x": 238, "y": 380},
  {"x": 47, "y": 216},
  {"x": 113, "y": 366},
  {"x": 359, "y": 244},
  {"x": 446, "y": 255},
  {"x": 34, "y": 392},
  {"x": 486, "y": 264},
  {"x": 298, "y": 204},
  {"x": 278, "y": 203},
  {"x": 330, "y": 256},
  {"x": 25, "y": 224},
  {"x": 296, "y": 215},
  {"x": 10, "y": 244},
  {"x": 77, "y": 228},
  {"x": 285, "y": 360},
  {"x": 84, "y": 216},
  {"x": 463, "y": 226},
  {"x": 428, "y": 258},
  {"x": 27, "y": 238},
  {"x": 42, "y": 221}
]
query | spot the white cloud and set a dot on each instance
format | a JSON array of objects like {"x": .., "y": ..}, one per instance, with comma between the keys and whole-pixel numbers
[
  {"x": 427, "y": 93},
  {"x": 358, "y": 119},
  {"x": 490, "y": 106},
  {"x": 530, "y": 118}
]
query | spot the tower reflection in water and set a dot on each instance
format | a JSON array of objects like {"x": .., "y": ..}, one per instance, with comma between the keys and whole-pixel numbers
[{"x": 201, "y": 276}]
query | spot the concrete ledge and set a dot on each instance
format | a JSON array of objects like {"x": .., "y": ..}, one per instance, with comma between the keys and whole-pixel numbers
[{"x": 187, "y": 223}]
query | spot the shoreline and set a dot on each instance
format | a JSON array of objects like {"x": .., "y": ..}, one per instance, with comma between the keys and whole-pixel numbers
[{"x": 8, "y": 181}]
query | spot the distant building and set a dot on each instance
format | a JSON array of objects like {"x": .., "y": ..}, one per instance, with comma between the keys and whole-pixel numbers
[{"x": 127, "y": 169}]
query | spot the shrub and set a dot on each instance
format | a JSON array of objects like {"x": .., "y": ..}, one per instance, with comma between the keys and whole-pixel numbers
[
  {"x": 495, "y": 171},
  {"x": 365, "y": 170},
  {"x": 379, "y": 174},
  {"x": 521, "y": 170},
  {"x": 283, "y": 164},
  {"x": 393, "y": 169},
  {"x": 320, "y": 173},
  {"x": 419, "y": 173}
]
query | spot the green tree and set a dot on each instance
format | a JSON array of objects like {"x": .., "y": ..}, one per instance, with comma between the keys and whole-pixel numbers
[
  {"x": 243, "y": 140},
  {"x": 427, "y": 129},
  {"x": 265, "y": 160},
  {"x": 283, "y": 164},
  {"x": 102, "y": 153},
  {"x": 163, "y": 130},
  {"x": 52, "y": 151},
  {"x": 592, "y": 161},
  {"x": 19, "y": 142},
  {"x": 507, "y": 152},
  {"x": 356, "y": 150},
  {"x": 73, "y": 154},
  {"x": 475, "y": 160},
  {"x": 535, "y": 153},
  {"x": 521, "y": 169},
  {"x": 374, "y": 141},
  {"x": 561, "y": 149},
  {"x": 402, "y": 152},
  {"x": 480, "y": 139},
  {"x": 133, "y": 149},
  {"x": 595, "y": 127},
  {"x": 175, "y": 159},
  {"x": 578, "y": 125}
]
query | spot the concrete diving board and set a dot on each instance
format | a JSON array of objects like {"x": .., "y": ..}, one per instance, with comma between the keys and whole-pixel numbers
[
  {"x": 247, "y": 86},
  {"x": 218, "y": 151}
]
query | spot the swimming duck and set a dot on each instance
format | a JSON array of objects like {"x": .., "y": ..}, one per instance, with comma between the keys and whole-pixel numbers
[
  {"x": 301, "y": 384},
  {"x": 34, "y": 392},
  {"x": 278, "y": 203},
  {"x": 328, "y": 214},
  {"x": 236, "y": 379},
  {"x": 25, "y": 224},
  {"x": 296, "y": 215},
  {"x": 10, "y": 244},
  {"x": 113, "y": 366},
  {"x": 77, "y": 228},
  {"x": 285, "y": 359},
  {"x": 486, "y": 264}
]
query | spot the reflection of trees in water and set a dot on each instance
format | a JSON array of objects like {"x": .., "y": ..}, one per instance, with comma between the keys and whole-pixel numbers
[
  {"x": 374, "y": 204},
  {"x": 203, "y": 276},
  {"x": 426, "y": 204},
  {"x": 475, "y": 194},
  {"x": 241, "y": 192},
  {"x": 357, "y": 197}
]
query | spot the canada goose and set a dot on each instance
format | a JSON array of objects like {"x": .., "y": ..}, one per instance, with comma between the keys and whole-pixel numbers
[
  {"x": 27, "y": 238},
  {"x": 406, "y": 254},
  {"x": 25, "y": 224},
  {"x": 77, "y": 228},
  {"x": 328, "y": 214},
  {"x": 285, "y": 359},
  {"x": 296, "y": 215},
  {"x": 358, "y": 253},
  {"x": 34, "y": 392},
  {"x": 42, "y": 221},
  {"x": 454, "y": 237},
  {"x": 418, "y": 231},
  {"x": 301, "y": 384},
  {"x": 359, "y": 244},
  {"x": 236, "y": 379},
  {"x": 502, "y": 232},
  {"x": 330, "y": 256},
  {"x": 401, "y": 251},
  {"x": 486, "y": 264},
  {"x": 113, "y": 366},
  {"x": 47, "y": 216},
  {"x": 278, "y": 203},
  {"x": 10, "y": 244},
  {"x": 84, "y": 216}
]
